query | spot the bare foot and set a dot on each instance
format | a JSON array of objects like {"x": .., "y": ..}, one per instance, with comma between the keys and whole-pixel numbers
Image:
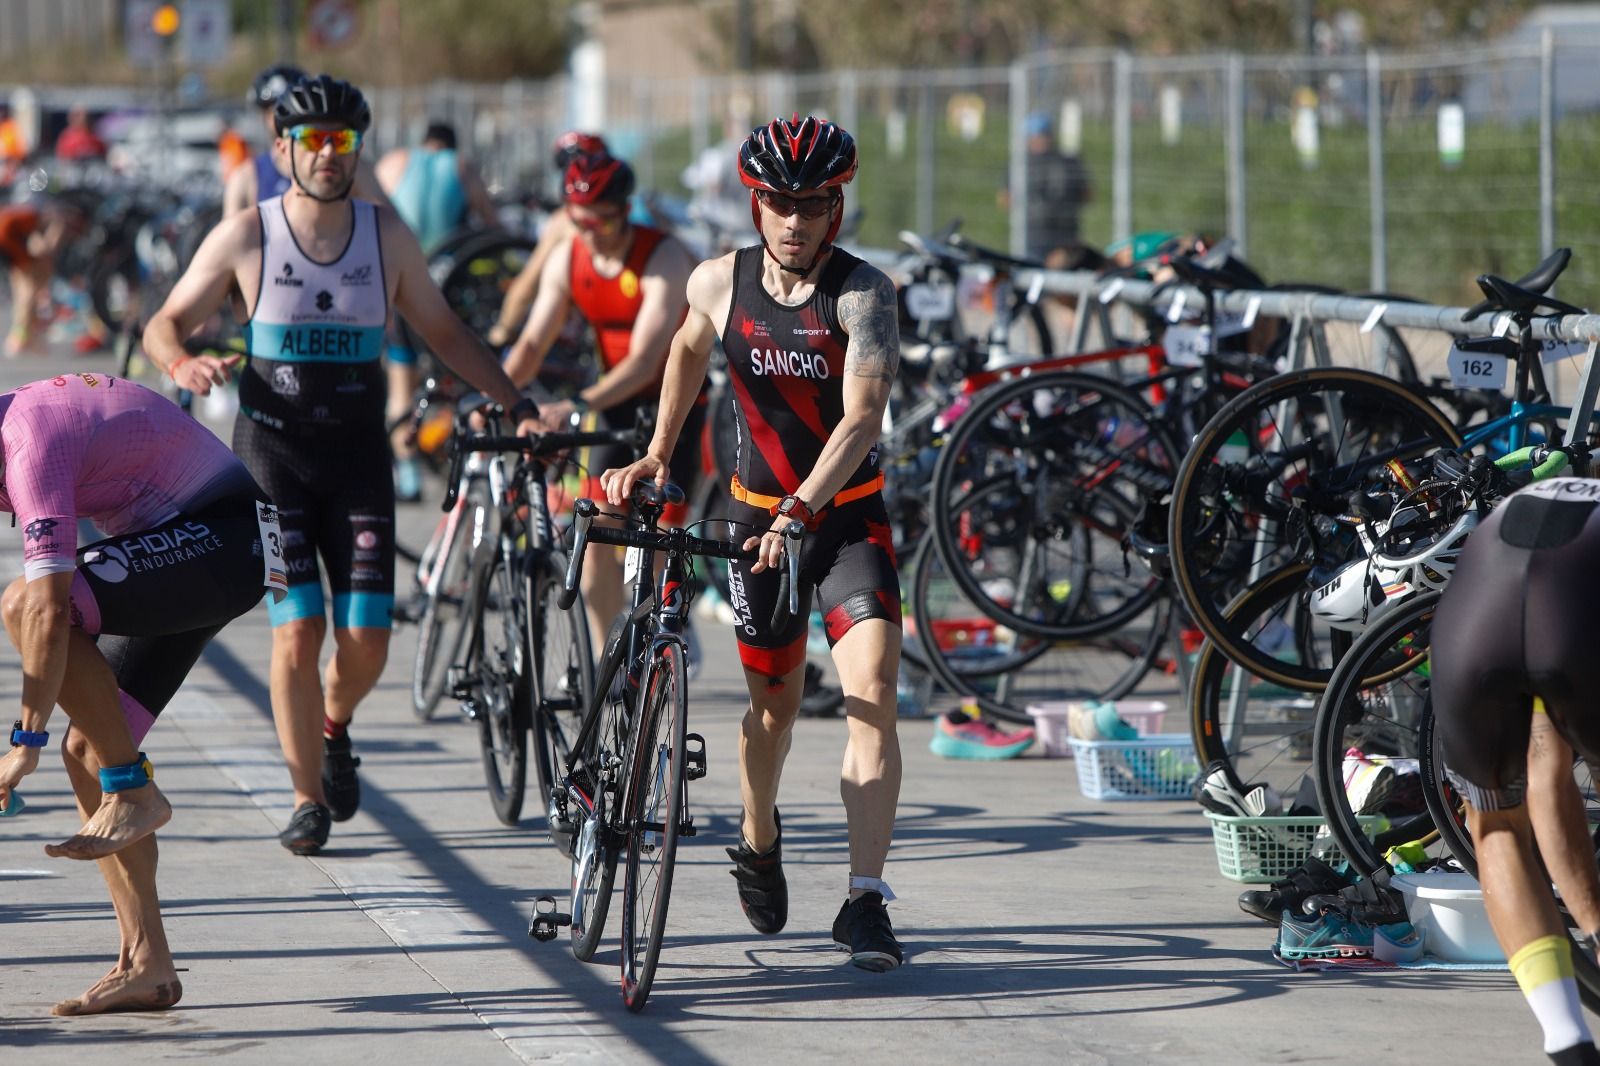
[
  {"x": 125, "y": 990},
  {"x": 124, "y": 818}
]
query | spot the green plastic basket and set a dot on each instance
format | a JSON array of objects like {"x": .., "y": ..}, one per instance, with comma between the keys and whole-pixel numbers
[{"x": 1263, "y": 850}]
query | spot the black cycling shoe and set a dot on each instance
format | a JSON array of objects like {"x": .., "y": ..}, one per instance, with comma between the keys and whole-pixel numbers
[
  {"x": 863, "y": 930},
  {"x": 308, "y": 829},
  {"x": 339, "y": 782},
  {"x": 763, "y": 890},
  {"x": 1312, "y": 878}
]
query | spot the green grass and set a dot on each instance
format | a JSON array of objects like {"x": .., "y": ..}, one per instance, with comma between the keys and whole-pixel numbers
[{"x": 1445, "y": 225}]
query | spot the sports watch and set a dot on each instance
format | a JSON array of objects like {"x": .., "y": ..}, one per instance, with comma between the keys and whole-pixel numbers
[
  {"x": 792, "y": 506},
  {"x": 21, "y": 738}
]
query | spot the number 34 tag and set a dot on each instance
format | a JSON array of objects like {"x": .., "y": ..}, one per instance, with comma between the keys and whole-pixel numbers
[{"x": 1477, "y": 370}]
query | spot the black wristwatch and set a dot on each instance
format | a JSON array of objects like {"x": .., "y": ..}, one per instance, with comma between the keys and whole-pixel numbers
[
  {"x": 792, "y": 506},
  {"x": 523, "y": 408},
  {"x": 21, "y": 738}
]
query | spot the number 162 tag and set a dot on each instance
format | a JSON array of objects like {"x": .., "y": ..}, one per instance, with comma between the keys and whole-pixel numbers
[{"x": 1477, "y": 370}]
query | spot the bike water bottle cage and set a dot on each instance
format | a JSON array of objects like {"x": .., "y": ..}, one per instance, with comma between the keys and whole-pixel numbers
[
  {"x": 136, "y": 774},
  {"x": 21, "y": 738}
]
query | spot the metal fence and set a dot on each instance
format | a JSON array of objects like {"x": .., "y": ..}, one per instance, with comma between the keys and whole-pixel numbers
[{"x": 1399, "y": 173}]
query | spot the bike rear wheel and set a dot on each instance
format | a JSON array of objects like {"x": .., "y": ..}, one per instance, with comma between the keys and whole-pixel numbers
[{"x": 654, "y": 812}]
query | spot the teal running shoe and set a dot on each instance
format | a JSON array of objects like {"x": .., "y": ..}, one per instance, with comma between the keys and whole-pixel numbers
[
  {"x": 1329, "y": 935},
  {"x": 956, "y": 736}
]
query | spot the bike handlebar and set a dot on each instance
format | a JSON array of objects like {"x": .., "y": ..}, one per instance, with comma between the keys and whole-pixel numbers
[{"x": 682, "y": 542}]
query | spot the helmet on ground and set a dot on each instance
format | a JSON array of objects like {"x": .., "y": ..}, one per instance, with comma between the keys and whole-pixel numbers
[
  {"x": 325, "y": 99},
  {"x": 1364, "y": 590},
  {"x": 598, "y": 179},
  {"x": 797, "y": 156},
  {"x": 573, "y": 143},
  {"x": 272, "y": 83}
]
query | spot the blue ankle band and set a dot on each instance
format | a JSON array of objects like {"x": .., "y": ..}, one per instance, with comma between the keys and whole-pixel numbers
[{"x": 136, "y": 774}]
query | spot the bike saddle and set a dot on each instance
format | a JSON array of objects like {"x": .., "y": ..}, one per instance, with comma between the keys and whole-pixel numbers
[
  {"x": 647, "y": 493},
  {"x": 1527, "y": 294}
]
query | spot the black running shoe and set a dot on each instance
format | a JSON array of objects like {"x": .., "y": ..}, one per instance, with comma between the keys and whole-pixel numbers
[
  {"x": 339, "y": 782},
  {"x": 307, "y": 831},
  {"x": 763, "y": 891},
  {"x": 863, "y": 930},
  {"x": 1313, "y": 878}
]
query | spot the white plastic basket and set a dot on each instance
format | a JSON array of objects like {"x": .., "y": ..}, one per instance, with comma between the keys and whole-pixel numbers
[
  {"x": 1158, "y": 767},
  {"x": 1257, "y": 851}
]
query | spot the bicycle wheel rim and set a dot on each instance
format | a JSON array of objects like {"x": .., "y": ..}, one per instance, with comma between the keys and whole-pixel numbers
[
  {"x": 1079, "y": 451},
  {"x": 1004, "y": 672},
  {"x": 1383, "y": 723},
  {"x": 1262, "y": 732},
  {"x": 1258, "y": 473},
  {"x": 501, "y": 666},
  {"x": 655, "y": 807},
  {"x": 562, "y": 674},
  {"x": 443, "y": 624},
  {"x": 594, "y": 853}
]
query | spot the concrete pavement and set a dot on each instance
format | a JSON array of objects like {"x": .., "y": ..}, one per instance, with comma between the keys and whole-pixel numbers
[{"x": 1040, "y": 926}]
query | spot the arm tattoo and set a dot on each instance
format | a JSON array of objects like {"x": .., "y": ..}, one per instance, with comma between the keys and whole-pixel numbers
[{"x": 868, "y": 312}]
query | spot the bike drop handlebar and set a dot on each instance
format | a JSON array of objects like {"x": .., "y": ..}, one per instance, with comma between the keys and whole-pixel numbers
[
  {"x": 584, "y": 530},
  {"x": 536, "y": 445}
]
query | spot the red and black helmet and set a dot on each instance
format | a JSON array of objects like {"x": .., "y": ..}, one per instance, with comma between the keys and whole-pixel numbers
[
  {"x": 796, "y": 156},
  {"x": 598, "y": 179},
  {"x": 573, "y": 143}
]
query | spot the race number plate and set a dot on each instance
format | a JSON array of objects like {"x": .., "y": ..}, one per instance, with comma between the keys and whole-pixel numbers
[
  {"x": 1187, "y": 345},
  {"x": 630, "y": 564},
  {"x": 1477, "y": 370},
  {"x": 275, "y": 575},
  {"x": 1556, "y": 351},
  {"x": 927, "y": 303}
]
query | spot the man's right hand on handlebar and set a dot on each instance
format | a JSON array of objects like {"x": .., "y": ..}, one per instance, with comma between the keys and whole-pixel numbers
[{"x": 619, "y": 483}]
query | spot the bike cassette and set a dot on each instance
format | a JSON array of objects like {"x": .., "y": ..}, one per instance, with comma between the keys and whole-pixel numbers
[
  {"x": 694, "y": 757},
  {"x": 546, "y": 920}
]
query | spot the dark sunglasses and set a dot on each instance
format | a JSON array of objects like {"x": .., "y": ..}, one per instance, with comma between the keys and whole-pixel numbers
[{"x": 810, "y": 208}]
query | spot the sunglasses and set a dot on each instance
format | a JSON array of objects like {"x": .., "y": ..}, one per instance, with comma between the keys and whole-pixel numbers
[
  {"x": 313, "y": 140},
  {"x": 811, "y": 208},
  {"x": 599, "y": 223}
]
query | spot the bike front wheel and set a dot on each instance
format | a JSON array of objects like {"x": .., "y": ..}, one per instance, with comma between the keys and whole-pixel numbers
[
  {"x": 505, "y": 695},
  {"x": 653, "y": 812}
]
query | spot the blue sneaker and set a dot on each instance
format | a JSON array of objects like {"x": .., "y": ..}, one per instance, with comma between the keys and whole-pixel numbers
[{"x": 1329, "y": 935}]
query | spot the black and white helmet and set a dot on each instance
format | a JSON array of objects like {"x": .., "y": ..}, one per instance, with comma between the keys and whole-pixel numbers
[
  {"x": 272, "y": 83},
  {"x": 325, "y": 99}
]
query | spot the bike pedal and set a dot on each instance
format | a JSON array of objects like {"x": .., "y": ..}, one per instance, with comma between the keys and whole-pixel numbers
[
  {"x": 546, "y": 921},
  {"x": 694, "y": 757},
  {"x": 686, "y": 828}
]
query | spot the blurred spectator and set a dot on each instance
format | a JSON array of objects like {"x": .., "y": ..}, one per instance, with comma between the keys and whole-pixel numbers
[
  {"x": 13, "y": 146},
  {"x": 232, "y": 150},
  {"x": 1058, "y": 187},
  {"x": 78, "y": 142},
  {"x": 31, "y": 235}
]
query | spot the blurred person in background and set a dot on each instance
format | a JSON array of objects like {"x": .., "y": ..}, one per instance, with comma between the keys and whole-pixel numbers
[
  {"x": 558, "y": 228},
  {"x": 32, "y": 234},
  {"x": 78, "y": 143},
  {"x": 434, "y": 188},
  {"x": 1058, "y": 187}
]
